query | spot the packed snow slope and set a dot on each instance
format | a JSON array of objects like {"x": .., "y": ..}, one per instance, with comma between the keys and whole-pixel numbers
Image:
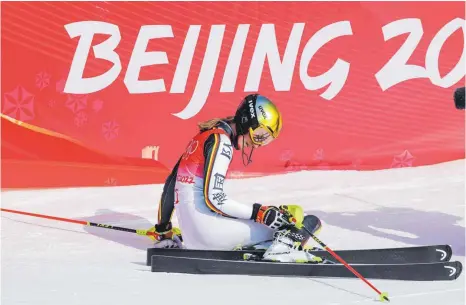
[{"x": 54, "y": 263}]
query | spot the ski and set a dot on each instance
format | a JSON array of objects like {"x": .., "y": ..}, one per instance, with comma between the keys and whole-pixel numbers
[
  {"x": 440, "y": 271},
  {"x": 406, "y": 255}
]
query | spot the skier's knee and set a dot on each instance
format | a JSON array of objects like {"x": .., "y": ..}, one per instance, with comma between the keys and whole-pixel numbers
[{"x": 312, "y": 223}]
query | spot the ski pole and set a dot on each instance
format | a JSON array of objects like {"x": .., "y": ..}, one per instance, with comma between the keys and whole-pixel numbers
[
  {"x": 383, "y": 295},
  {"x": 82, "y": 222}
]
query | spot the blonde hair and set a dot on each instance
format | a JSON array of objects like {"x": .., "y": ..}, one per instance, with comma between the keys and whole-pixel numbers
[{"x": 209, "y": 124}]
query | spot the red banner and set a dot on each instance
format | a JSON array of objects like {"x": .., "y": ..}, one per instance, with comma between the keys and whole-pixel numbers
[{"x": 362, "y": 85}]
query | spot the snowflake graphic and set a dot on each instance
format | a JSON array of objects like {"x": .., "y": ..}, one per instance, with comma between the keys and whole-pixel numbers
[
  {"x": 80, "y": 118},
  {"x": 76, "y": 102},
  {"x": 286, "y": 155},
  {"x": 319, "y": 154},
  {"x": 97, "y": 105},
  {"x": 111, "y": 181},
  {"x": 42, "y": 80},
  {"x": 110, "y": 130},
  {"x": 405, "y": 159},
  {"x": 19, "y": 104},
  {"x": 60, "y": 86}
]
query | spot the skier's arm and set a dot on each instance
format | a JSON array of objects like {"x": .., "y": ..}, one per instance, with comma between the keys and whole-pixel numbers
[
  {"x": 167, "y": 201},
  {"x": 218, "y": 152}
]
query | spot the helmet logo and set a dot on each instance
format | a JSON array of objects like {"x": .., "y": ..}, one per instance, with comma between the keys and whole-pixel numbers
[
  {"x": 264, "y": 114},
  {"x": 251, "y": 109}
]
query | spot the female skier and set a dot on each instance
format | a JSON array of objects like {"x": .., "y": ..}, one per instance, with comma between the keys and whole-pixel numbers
[{"x": 210, "y": 219}]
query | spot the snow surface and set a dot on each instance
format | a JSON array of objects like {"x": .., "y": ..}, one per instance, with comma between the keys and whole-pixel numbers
[{"x": 55, "y": 263}]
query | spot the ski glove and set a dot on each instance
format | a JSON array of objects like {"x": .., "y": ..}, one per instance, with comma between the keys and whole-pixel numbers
[
  {"x": 271, "y": 216},
  {"x": 166, "y": 236}
]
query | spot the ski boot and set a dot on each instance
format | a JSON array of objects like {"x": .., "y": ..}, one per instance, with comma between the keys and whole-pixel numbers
[{"x": 289, "y": 243}]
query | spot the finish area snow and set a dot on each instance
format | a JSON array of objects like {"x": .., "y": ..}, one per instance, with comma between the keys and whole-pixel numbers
[{"x": 54, "y": 263}]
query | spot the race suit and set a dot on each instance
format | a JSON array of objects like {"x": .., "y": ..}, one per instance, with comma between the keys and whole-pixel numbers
[{"x": 207, "y": 217}]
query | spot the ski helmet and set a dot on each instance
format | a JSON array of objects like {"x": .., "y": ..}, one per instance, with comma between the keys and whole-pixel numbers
[{"x": 259, "y": 117}]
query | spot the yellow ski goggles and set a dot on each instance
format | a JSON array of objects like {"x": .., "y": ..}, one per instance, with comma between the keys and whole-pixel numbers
[{"x": 262, "y": 135}]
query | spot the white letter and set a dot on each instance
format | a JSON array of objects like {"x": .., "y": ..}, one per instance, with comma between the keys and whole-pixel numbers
[
  {"x": 234, "y": 59},
  {"x": 433, "y": 53},
  {"x": 335, "y": 76},
  {"x": 75, "y": 82},
  {"x": 206, "y": 75},
  {"x": 186, "y": 58},
  {"x": 396, "y": 70},
  {"x": 141, "y": 58},
  {"x": 266, "y": 47}
]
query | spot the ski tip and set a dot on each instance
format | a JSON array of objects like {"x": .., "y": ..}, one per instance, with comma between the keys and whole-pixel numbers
[
  {"x": 449, "y": 253},
  {"x": 384, "y": 297}
]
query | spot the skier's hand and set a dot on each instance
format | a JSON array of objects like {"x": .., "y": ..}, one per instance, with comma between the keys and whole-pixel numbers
[
  {"x": 296, "y": 213},
  {"x": 271, "y": 216},
  {"x": 166, "y": 236}
]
